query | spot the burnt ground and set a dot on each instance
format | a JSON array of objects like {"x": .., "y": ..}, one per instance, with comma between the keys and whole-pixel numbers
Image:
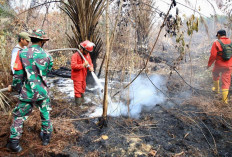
[
  {"x": 161, "y": 131},
  {"x": 174, "y": 131}
]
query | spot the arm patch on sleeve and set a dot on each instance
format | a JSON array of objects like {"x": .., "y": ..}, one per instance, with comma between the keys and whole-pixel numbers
[{"x": 18, "y": 64}]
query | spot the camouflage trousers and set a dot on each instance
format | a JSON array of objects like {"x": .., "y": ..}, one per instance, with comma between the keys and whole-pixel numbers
[{"x": 23, "y": 110}]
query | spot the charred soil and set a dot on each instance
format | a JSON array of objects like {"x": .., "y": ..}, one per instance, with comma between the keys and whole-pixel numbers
[{"x": 186, "y": 130}]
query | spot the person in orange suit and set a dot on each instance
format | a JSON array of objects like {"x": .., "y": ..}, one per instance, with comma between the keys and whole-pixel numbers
[
  {"x": 79, "y": 69},
  {"x": 221, "y": 66}
]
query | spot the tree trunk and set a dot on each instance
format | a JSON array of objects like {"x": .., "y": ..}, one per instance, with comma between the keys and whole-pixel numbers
[{"x": 105, "y": 100}]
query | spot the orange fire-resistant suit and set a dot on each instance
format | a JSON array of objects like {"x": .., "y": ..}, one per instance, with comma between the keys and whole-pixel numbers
[
  {"x": 79, "y": 73},
  {"x": 220, "y": 66}
]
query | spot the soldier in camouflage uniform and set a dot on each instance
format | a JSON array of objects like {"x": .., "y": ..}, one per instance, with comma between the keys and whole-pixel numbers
[{"x": 31, "y": 68}]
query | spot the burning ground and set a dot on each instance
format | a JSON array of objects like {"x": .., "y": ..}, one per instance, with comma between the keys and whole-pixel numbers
[{"x": 190, "y": 128}]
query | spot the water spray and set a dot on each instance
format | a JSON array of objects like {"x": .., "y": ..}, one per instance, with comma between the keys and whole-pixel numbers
[{"x": 97, "y": 81}]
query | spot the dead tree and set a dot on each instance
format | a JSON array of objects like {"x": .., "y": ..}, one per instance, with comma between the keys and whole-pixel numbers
[
  {"x": 133, "y": 29},
  {"x": 142, "y": 11}
]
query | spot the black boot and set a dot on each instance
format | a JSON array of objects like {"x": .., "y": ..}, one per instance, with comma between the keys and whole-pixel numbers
[
  {"x": 45, "y": 137},
  {"x": 78, "y": 101},
  {"x": 13, "y": 145},
  {"x": 83, "y": 98}
]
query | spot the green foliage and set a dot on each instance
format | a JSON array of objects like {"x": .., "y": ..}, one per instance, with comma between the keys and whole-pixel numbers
[
  {"x": 192, "y": 24},
  {"x": 6, "y": 11},
  {"x": 174, "y": 27}
]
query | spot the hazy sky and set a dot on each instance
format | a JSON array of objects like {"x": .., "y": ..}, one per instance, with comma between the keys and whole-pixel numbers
[
  {"x": 26, "y": 4},
  {"x": 206, "y": 9}
]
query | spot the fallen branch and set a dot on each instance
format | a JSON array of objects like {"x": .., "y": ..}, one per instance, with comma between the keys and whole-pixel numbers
[{"x": 77, "y": 119}]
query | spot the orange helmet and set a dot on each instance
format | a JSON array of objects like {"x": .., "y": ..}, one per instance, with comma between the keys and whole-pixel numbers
[{"x": 87, "y": 45}]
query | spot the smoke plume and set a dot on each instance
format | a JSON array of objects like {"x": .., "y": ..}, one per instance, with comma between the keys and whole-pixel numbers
[{"x": 142, "y": 94}]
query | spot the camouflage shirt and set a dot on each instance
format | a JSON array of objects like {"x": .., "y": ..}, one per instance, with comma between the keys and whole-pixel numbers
[{"x": 30, "y": 81}]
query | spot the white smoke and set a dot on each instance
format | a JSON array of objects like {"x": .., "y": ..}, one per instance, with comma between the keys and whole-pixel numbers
[{"x": 142, "y": 95}]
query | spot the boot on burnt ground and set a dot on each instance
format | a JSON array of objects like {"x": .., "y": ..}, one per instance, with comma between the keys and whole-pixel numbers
[
  {"x": 78, "y": 101},
  {"x": 82, "y": 98},
  {"x": 45, "y": 137},
  {"x": 13, "y": 145}
]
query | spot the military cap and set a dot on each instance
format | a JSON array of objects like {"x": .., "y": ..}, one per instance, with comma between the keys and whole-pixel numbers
[
  {"x": 39, "y": 34},
  {"x": 24, "y": 35}
]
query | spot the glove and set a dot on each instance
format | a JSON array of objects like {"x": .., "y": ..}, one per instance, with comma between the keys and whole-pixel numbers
[
  {"x": 9, "y": 88},
  {"x": 86, "y": 64},
  {"x": 91, "y": 69}
]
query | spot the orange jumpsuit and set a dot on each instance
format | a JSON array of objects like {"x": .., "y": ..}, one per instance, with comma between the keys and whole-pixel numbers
[
  {"x": 220, "y": 66},
  {"x": 79, "y": 73}
]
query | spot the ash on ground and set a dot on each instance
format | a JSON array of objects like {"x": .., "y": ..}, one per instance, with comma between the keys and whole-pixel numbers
[{"x": 165, "y": 129}]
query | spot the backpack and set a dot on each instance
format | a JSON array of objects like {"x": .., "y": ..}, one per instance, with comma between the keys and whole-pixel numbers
[{"x": 226, "y": 50}]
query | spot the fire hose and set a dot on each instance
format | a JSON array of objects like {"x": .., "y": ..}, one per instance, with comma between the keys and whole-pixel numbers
[
  {"x": 70, "y": 49},
  {"x": 101, "y": 121},
  {"x": 75, "y": 49},
  {"x": 4, "y": 90}
]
